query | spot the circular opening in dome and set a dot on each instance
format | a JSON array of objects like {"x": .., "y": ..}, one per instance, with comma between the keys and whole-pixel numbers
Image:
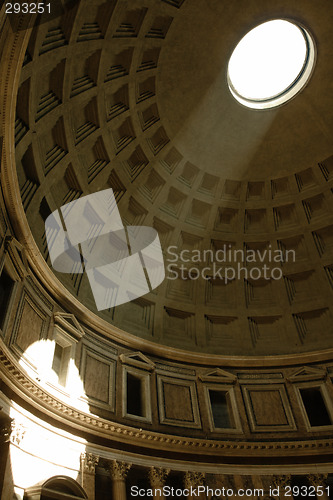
[{"x": 271, "y": 64}]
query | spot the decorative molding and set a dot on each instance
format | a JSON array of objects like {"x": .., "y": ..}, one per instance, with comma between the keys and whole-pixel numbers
[
  {"x": 27, "y": 299},
  {"x": 69, "y": 324},
  {"x": 307, "y": 373},
  {"x": 284, "y": 408},
  {"x": 162, "y": 368},
  {"x": 14, "y": 258},
  {"x": 261, "y": 377},
  {"x": 137, "y": 359},
  {"x": 89, "y": 356},
  {"x": 218, "y": 375},
  {"x": 188, "y": 385}
]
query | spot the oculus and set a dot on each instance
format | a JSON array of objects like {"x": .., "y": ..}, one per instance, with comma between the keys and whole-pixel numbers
[{"x": 271, "y": 64}]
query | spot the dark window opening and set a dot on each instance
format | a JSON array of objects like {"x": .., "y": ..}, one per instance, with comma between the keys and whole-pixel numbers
[
  {"x": 57, "y": 359},
  {"x": 220, "y": 404},
  {"x": 315, "y": 406},
  {"x": 135, "y": 404},
  {"x": 60, "y": 362},
  {"x": 6, "y": 289}
]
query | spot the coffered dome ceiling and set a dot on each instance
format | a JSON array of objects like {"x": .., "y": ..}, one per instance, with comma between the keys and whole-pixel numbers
[{"x": 133, "y": 96}]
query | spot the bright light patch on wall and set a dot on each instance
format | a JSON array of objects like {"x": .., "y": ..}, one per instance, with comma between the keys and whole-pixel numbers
[{"x": 271, "y": 64}]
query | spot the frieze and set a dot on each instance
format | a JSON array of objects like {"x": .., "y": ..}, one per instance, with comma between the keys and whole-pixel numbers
[
  {"x": 247, "y": 376},
  {"x": 175, "y": 369}
]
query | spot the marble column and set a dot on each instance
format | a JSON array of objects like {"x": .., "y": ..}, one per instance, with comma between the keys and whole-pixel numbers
[
  {"x": 319, "y": 480},
  {"x": 192, "y": 480},
  {"x": 118, "y": 472},
  {"x": 88, "y": 462},
  {"x": 157, "y": 477}
]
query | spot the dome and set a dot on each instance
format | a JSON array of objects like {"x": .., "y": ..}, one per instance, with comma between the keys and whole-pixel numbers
[{"x": 152, "y": 118}]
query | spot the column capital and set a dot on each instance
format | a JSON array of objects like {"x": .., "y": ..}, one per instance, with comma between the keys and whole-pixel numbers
[
  {"x": 157, "y": 476},
  {"x": 282, "y": 481},
  {"x": 118, "y": 470},
  {"x": 317, "y": 479},
  {"x": 88, "y": 462},
  {"x": 17, "y": 432},
  {"x": 193, "y": 479},
  {"x": 6, "y": 429}
]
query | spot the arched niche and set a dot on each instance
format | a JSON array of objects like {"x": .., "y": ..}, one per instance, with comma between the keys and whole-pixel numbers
[{"x": 56, "y": 488}]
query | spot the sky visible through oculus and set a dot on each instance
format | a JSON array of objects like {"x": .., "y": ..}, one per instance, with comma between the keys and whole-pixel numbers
[{"x": 267, "y": 60}]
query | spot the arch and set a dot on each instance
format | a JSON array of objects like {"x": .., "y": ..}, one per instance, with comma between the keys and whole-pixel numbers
[{"x": 56, "y": 487}]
